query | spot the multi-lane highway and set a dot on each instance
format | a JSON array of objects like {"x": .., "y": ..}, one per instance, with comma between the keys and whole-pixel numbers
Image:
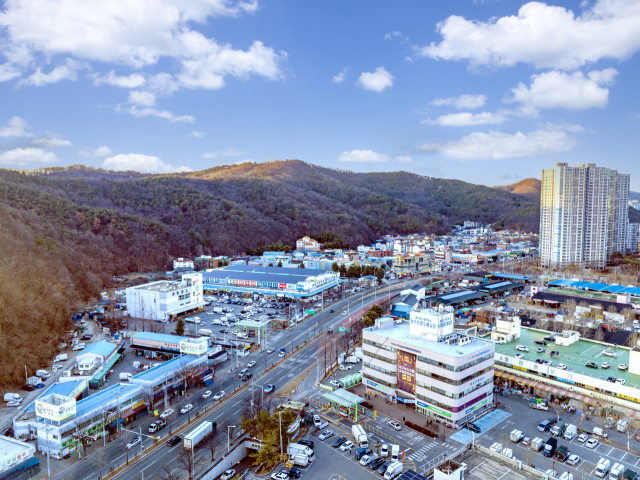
[{"x": 152, "y": 465}]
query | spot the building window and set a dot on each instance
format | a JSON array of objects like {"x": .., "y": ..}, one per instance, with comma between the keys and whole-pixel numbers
[
  {"x": 380, "y": 345},
  {"x": 379, "y": 357},
  {"x": 379, "y": 369},
  {"x": 377, "y": 380}
]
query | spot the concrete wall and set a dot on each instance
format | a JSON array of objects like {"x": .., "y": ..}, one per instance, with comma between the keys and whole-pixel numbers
[{"x": 235, "y": 455}]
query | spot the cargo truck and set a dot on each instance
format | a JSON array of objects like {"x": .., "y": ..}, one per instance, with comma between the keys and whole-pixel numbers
[
  {"x": 12, "y": 397},
  {"x": 516, "y": 436},
  {"x": 360, "y": 436},
  {"x": 60, "y": 358},
  {"x": 125, "y": 377},
  {"x": 393, "y": 470},
  {"x": 43, "y": 374},
  {"x": 570, "y": 432},
  {"x": 34, "y": 382},
  {"x": 602, "y": 468},
  {"x": 298, "y": 449},
  {"x": 616, "y": 471},
  {"x": 630, "y": 475},
  {"x": 537, "y": 444},
  {"x": 195, "y": 436},
  {"x": 300, "y": 460},
  {"x": 562, "y": 453},
  {"x": 550, "y": 447}
]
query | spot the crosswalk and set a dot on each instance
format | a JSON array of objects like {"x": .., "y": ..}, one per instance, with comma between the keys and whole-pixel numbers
[{"x": 421, "y": 454}]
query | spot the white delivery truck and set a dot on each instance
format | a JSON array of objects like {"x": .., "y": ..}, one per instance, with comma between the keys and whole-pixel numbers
[
  {"x": 217, "y": 309},
  {"x": 34, "y": 381},
  {"x": 516, "y": 436},
  {"x": 393, "y": 470},
  {"x": 300, "y": 460},
  {"x": 195, "y": 436},
  {"x": 12, "y": 397},
  {"x": 616, "y": 471},
  {"x": 360, "y": 436},
  {"x": 205, "y": 331},
  {"x": 296, "y": 449},
  {"x": 60, "y": 358},
  {"x": 192, "y": 319},
  {"x": 43, "y": 374},
  {"x": 352, "y": 359},
  {"x": 570, "y": 432},
  {"x": 395, "y": 452},
  {"x": 125, "y": 377},
  {"x": 537, "y": 444},
  {"x": 602, "y": 468}
]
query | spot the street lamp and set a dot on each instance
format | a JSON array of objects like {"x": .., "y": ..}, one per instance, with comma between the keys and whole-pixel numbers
[{"x": 229, "y": 436}]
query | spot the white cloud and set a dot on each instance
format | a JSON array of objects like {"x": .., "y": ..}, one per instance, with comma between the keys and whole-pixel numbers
[
  {"x": 377, "y": 81},
  {"x": 99, "y": 152},
  {"x": 15, "y": 127},
  {"x": 469, "y": 102},
  {"x": 389, "y": 36},
  {"x": 137, "y": 33},
  {"x": 230, "y": 152},
  {"x": 562, "y": 90},
  {"x": 27, "y": 156},
  {"x": 51, "y": 142},
  {"x": 404, "y": 159},
  {"x": 362, "y": 156},
  {"x": 342, "y": 76},
  {"x": 465, "y": 119},
  {"x": 499, "y": 145},
  {"x": 153, "y": 112},
  {"x": 135, "y": 80},
  {"x": 145, "y": 99},
  {"x": 195, "y": 134},
  {"x": 141, "y": 163},
  {"x": 8, "y": 72},
  {"x": 542, "y": 35},
  {"x": 68, "y": 71}
]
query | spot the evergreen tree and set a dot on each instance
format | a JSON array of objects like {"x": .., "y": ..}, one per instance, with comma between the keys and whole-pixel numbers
[
  {"x": 343, "y": 270},
  {"x": 379, "y": 273},
  {"x": 279, "y": 263},
  {"x": 301, "y": 265},
  {"x": 334, "y": 267},
  {"x": 180, "y": 327}
]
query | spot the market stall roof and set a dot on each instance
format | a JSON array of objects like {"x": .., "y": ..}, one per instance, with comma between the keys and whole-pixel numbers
[
  {"x": 100, "y": 374},
  {"x": 459, "y": 296},
  {"x": 344, "y": 397},
  {"x": 496, "y": 287},
  {"x": 598, "y": 287}
]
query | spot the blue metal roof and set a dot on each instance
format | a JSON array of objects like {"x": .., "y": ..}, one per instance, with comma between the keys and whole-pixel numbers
[
  {"x": 598, "y": 287},
  {"x": 169, "y": 367},
  {"x": 582, "y": 284},
  {"x": 99, "y": 348},
  {"x": 255, "y": 273},
  {"x": 614, "y": 288},
  {"x": 59, "y": 388},
  {"x": 104, "y": 396},
  {"x": 512, "y": 277},
  {"x": 631, "y": 290},
  {"x": 560, "y": 283},
  {"x": 159, "y": 337}
]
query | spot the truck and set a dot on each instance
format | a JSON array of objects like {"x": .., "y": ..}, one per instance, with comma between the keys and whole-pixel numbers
[
  {"x": 562, "y": 453},
  {"x": 34, "y": 382},
  {"x": 360, "y": 436},
  {"x": 12, "y": 397},
  {"x": 205, "y": 331},
  {"x": 60, "y": 358},
  {"x": 557, "y": 429},
  {"x": 43, "y": 374},
  {"x": 550, "y": 447},
  {"x": 393, "y": 470},
  {"x": 622, "y": 426},
  {"x": 570, "y": 432},
  {"x": 298, "y": 449},
  {"x": 602, "y": 468},
  {"x": 395, "y": 452},
  {"x": 195, "y": 436},
  {"x": 125, "y": 377},
  {"x": 352, "y": 359},
  {"x": 537, "y": 444},
  {"x": 157, "y": 425},
  {"x": 548, "y": 423},
  {"x": 300, "y": 460},
  {"x": 616, "y": 471},
  {"x": 516, "y": 436},
  {"x": 217, "y": 310}
]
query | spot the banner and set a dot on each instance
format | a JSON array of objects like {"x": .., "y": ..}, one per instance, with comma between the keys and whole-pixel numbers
[{"x": 407, "y": 372}]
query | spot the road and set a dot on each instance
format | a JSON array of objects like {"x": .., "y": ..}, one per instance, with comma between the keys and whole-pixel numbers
[{"x": 114, "y": 454}]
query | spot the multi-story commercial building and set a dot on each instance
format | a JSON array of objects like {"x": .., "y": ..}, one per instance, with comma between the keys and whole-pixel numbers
[
  {"x": 633, "y": 237},
  {"x": 583, "y": 215},
  {"x": 183, "y": 263},
  {"x": 447, "y": 375},
  {"x": 410, "y": 263},
  {"x": 164, "y": 300},
  {"x": 204, "y": 262}
]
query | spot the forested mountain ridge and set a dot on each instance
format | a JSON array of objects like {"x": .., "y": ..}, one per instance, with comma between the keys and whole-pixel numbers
[{"x": 64, "y": 232}]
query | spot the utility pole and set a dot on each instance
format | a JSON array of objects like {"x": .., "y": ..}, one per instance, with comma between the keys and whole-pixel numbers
[{"x": 48, "y": 452}]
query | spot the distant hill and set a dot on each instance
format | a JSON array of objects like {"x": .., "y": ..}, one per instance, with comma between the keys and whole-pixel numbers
[
  {"x": 529, "y": 186},
  {"x": 634, "y": 196}
]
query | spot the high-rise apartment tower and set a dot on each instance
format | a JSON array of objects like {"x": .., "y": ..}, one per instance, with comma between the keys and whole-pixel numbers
[{"x": 583, "y": 215}]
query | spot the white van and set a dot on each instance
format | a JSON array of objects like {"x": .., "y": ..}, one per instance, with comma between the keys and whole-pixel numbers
[
  {"x": 43, "y": 374},
  {"x": 598, "y": 432},
  {"x": 395, "y": 452},
  {"x": 204, "y": 331}
]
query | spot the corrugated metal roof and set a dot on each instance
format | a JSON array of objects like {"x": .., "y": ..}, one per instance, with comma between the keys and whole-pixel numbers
[
  {"x": 159, "y": 337},
  {"x": 99, "y": 348}
]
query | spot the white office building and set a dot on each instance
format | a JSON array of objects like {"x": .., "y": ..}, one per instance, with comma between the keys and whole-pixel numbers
[
  {"x": 164, "y": 300},
  {"x": 448, "y": 376},
  {"x": 633, "y": 237},
  {"x": 583, "y": 215}
]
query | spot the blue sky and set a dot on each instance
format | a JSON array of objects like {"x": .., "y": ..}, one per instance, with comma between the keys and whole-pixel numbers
[{"x": 487, "y": 92}]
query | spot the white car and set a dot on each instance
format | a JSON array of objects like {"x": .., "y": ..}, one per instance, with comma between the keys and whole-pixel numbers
[
  {"x": 548, "y": 363},
  {"x": 573, "y": 460},
  {"x": 344, "y": 313},
  {"x": 346, "y": 446},
  {"x": 335, "y": 383},
  {"x": 345, "y": 368},
  {"x": 496, "y": 447},
  {"x": 583, "y": 437},
  {"x": 522, "y": 348},
  {"x": 623, "y": 366},
  {"x": 13, "y": 403},
  {"x": 395, "y": 425},
  {"x": 279, "y": 476},
  {"x": 609, "y": 353},
  {"x": 206, "y": 394},
  {"x": 621, "y": 381},
  {"x": 520, "y": 356},
  {"x": 324, "y": 435},
  {"x": 216, "y": 321},
  {"x": 591, "y": 443},
  {"x": 133, "y": 443},
  {"x": 187, "y": 408},
  {"x": 219, "y": 396},
  {"x": 228, "y": 474},
  {"x": 604, "y": 365},
  {"x": 167, "y": 413},
  {"x": 282, "y": 354},
  {"x": 552, "y": 473},
  {"x": 271, "y": 350},
  {"x": 251, "y": 363},
  {"x": 561, "y": 366}
]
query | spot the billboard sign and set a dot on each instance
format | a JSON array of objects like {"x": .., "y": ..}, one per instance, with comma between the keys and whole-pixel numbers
[
  {"x": 56, "y": 407},
  {"x": 194, "y": 346},
  {"x": 407, "y": 372}
]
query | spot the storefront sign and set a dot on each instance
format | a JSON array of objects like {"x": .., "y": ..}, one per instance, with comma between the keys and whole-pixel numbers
[
  {"x": 434, "y": 409},
  {"x": 407, "y": 372},
  {"x": 471, "y": 409},
  {"x": 379, "y": 387},
  {"x": 56, "y": 407},
  {"x": 194, "y": 346}
]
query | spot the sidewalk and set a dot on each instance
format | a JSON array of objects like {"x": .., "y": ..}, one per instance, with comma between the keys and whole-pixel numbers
[{"x": 397, "y": 411}]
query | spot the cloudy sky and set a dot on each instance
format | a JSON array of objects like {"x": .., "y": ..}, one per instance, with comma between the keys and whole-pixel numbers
[{"x": 485, "y": 91}]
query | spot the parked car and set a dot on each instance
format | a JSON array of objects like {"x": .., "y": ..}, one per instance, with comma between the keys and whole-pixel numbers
[
  {"x": 186, "y": 409},
  {"x": 173, "y": 441},
  {"x": 247, "y": 376},
  {"x": 282, "y": 354},
  {"x": 167, "y": 413},
  {"x": 604, "y": 365},
  {"x": 520, "y": 356},
  {"x": 279, "y": 476},
  {"x": 307, "y": 443},
  {"x": 554, "y": 353},
  {"x": 324, "y": 435},
  {"x": 561, "y": 366},
  {"x": 583, "y": 437},
  {"x": 548, "y": 363},
  {"x": 522, "y": 348},
  {"x": 591, "y": 443},
  {"x": 541, "y": 350},
  {"x": 228, "y": 475},
  {"x": 346, "y": 446},
  {"x": 473, "y": 427},
  {"x": 573, "y": 460},
  {"x": 623, "y": 366},
  {"x": 591, "y": 365},
  {"x": 376, "y": 463},
  {"x": 335, "y": 383},
  {"x": 621, "y": 381},
  {"x": 339, "y": 441}
]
